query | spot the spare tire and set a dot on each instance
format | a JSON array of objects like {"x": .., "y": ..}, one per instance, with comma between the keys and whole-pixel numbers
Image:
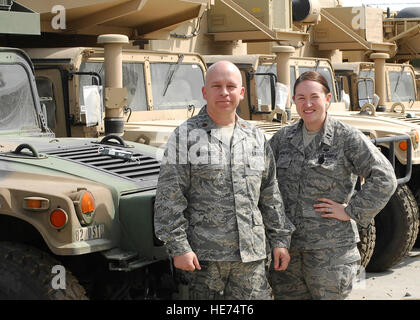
[{"x": 397, "y": 226}]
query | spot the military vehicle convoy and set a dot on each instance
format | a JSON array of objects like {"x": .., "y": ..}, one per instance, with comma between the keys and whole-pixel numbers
[{"x": 160, "y": 86}]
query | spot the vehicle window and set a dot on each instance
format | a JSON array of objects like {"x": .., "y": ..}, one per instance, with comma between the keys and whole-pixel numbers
[
  {"x": 327, "y": 75},
  {"x": 292, "y": 80},
  {"x": 263, "y": 83},
  {"x": 367, "y": 74},
  {"x": 133, "y": 80},
  {"x": 401, "y": 86},
  {"x": 17, "y": 105},
  {"x": 176, "y": 86},
  {"x": 365, "y": 91},
  {"x": 46, "y": 96}
]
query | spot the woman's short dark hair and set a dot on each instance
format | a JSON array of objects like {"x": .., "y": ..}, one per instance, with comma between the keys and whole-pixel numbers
[{"x": 312, "y": 76}]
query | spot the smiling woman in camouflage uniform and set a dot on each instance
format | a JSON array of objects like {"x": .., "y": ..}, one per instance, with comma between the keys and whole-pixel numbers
[
  {"x": 217, "y": 197},
  {"x": 318, "y": 160}
]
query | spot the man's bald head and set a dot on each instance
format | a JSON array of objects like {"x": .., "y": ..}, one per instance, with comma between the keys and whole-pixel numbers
[{"x": 223, "y": 66}]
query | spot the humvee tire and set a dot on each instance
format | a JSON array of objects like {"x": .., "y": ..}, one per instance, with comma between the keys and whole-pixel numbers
[
  {"x": 397, "y": 227},
  {"x": 367, "y": 243},
  {"x": 417, "y": 243},
  {"x": 26, "y": 274}
]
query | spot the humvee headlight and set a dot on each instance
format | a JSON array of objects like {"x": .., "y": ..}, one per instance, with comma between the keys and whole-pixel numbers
[
  {"x": 84, "y": 203},
  {"x": 58, "y": 218},
  {"x": 87, "y": 203}
]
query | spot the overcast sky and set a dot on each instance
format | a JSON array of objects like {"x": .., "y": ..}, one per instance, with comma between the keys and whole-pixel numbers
[{"x": 392, "y": 4}]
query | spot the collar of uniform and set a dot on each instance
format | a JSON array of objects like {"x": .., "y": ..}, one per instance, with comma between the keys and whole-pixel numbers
[
  {"x": 241, "y": 130},
  {"x": 328, "y": 131},
  {"x": 296, "y": 136}
]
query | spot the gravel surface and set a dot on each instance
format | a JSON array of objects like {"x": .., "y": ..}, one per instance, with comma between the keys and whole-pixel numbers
[{"x": 402, "y": 282}]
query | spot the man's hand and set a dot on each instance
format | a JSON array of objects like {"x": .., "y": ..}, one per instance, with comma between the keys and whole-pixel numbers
[
  {"x": 281, "y": 258},
  {"x": 187, "y": 261}
]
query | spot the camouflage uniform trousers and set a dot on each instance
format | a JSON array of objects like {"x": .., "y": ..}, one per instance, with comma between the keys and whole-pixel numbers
[
  {"x": 322, "y": 274},
  {"x": 228, "y": 280}
]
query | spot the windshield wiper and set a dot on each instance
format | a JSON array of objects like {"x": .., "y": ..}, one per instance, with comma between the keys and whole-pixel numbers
[
  {"x": 171, "y": 74},
  {"x": 399, "y": 77}
]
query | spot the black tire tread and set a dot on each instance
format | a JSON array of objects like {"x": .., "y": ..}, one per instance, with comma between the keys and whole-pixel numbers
[
  {"x": 366, "y": 245},
  {"x": 390, "y": 251},
  {"x": 29, "y": 264}
]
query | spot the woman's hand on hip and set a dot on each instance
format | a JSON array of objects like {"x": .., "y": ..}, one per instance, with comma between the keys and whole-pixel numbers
[{"x": 331, "y": 209}]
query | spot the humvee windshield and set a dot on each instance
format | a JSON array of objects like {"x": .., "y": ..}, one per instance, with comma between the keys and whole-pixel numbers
[
  {"x": 365, "y": 91},
  {"x": 17, "y": 107},
  {"x": 263, "y": 82},
  {"x": 184, "y": 88},
  {"x": 401, "y": 86}
]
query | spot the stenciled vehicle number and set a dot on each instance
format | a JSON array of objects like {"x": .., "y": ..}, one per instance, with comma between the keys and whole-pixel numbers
[{"x": 89, "y": 233}]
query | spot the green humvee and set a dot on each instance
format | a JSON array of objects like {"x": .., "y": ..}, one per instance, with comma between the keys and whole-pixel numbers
[{"x": 76, "y": 214}]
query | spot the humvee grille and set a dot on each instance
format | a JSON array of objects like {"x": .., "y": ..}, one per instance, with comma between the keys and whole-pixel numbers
[{"x": 140, "y": 167}]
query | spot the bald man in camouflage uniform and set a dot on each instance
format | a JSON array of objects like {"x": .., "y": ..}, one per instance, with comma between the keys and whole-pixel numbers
[
  {"x": 217, "y": 198},
  {"x": 317, "y": 173}
]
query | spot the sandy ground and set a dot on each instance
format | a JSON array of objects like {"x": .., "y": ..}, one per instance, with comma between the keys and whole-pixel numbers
[{"x": 402, "y": 282}]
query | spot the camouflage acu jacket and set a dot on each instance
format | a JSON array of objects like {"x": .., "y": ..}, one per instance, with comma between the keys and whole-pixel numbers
[
  {"x": 218, "y": 198},
  {"x": 328, "y": 168}
]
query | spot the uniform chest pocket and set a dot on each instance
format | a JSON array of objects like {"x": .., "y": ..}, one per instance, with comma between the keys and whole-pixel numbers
[
  {"x": 325, "y": 165},
  {"x": 283, "y": 162},
  {"x": 255, "y": 165},
  {"x": 283, "y": 165},
  {"x": 253, "y": 175}
]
